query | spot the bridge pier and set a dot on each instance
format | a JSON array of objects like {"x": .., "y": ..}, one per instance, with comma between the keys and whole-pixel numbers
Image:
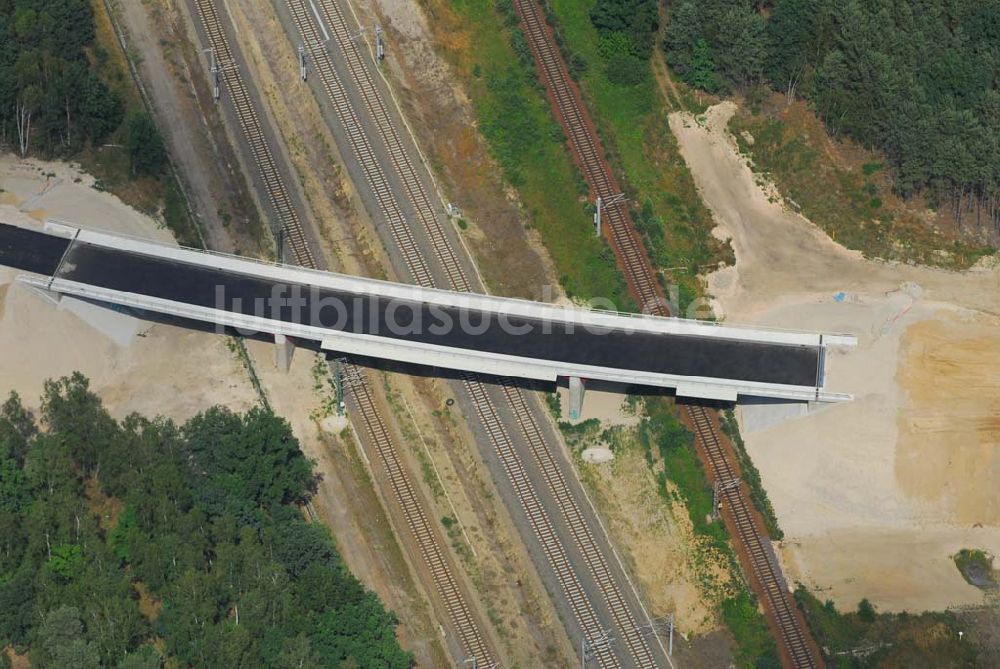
[
  {"x": 284, "y": 347},
  {"x": 575, "y": 398}
]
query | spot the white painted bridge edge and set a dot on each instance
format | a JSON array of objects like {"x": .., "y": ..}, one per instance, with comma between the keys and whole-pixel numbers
[
  {"x": 473, "y": 301},
  {"x": 407, "y": 351}
]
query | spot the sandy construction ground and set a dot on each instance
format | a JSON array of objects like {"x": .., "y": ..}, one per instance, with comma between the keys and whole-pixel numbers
[
  {"x": 876, "y": 495},
  {"x": 161, "y": 369}
]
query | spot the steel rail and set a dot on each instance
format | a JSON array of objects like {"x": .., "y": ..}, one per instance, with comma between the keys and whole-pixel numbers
[{"x": 253, "y": 133}]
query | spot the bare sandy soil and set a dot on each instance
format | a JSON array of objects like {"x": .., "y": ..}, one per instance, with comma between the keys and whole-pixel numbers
[
  {"x": 163, "y": 370},
  {"x": 607, "y": 406},
  {"x": 658, "y": 542},
  {"x": 36, "y": 190},
  {"x": 876, "y": 495}
]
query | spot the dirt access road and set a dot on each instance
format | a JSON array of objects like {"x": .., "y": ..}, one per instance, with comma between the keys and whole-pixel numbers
[
  {"x": 196, "y": 140},
  {"x": 876, "y": 495}
]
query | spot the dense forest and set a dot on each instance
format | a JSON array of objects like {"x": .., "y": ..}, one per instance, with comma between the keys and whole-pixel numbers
[
  {"x": 627, "y": 30},
  {"x": 127, "y": 544},
  {"x": 48, "y": 92},
  {"x": 916, "y": 79},
  {"x": 53, "y": 100}
]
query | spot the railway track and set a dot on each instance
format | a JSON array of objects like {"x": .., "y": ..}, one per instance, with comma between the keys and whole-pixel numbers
[
  {"x": 762, "y": 568},
  {"x": 253, "y": 133},
  {"x": 765, "y": 568},
  {"x": 375, "y": 106},
  {"x": 642, "y": 282},
  {"x": 538, "y": 518},
  {"x": 459, "y": 612},
  {"x": 456, "y": 278},
  {"x": 620, "y": 231},
  {"x": 631, "y": 632},
  {"x": 430, "y": 549},
  {"x": 371, "y": 167}
]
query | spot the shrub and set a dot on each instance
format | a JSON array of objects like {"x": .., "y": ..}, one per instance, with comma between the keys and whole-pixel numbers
[{"x": 146, "y": 152}]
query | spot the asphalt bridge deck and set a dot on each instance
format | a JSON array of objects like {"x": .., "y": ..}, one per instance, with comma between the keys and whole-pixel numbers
[{"x": 414, "y": 321}]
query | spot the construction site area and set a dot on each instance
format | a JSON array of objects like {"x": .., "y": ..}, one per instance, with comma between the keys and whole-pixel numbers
[{"x": 530, "y": 507}]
